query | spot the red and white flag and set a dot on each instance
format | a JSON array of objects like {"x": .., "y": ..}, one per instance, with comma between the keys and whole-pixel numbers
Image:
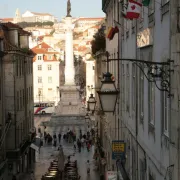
[{"x": 133, "y": 10}]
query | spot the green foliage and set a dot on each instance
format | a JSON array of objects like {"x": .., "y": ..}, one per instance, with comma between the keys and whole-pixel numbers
[
  {"x": 33, "y": 24},
  {"x": 52, "y": 32},
  {"x": 99, "y": 41}
]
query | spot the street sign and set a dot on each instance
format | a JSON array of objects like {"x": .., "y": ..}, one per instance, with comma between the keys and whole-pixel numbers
[{"x": 118, "y": 149}]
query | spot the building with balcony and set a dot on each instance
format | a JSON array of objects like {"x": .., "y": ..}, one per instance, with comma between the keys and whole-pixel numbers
[
  {"x": 17, "y": 119},
  {"x": 46, "y": 73},
  {"x": 145, "y": 117}
]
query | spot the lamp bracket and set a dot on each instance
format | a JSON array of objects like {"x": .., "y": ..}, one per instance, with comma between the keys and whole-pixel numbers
[{"x": 157, "y": 72}]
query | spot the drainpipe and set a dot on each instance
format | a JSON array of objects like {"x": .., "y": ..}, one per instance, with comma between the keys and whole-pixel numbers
[
  {"x": 25, "y": 87},
  {"x": 118, "y": 85},
  {"x": 15, "y": 110},
  {"x": 136, "y": 113}
]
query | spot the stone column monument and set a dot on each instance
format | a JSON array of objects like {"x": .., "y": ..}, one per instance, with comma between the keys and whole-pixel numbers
[{"x": 70, "y": 102}]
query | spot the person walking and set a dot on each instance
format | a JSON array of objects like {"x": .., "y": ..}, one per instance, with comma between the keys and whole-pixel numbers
[
  {"x": 40, "y": 145},
  {"x": 32, "y": 176},
  {"x": 59, "y": 137},
  {"x": 55, "y": 140},
  {"x": 74, "y": 145}
]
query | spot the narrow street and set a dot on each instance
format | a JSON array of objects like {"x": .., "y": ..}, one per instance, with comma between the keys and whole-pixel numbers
[{"x": 48, "y": 152}]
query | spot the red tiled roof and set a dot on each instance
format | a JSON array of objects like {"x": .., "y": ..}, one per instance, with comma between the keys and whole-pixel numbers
[
  {"x": 6, "y": 19},
  {"x": 89, "y": 19},
  {"x": 82, "y": 48},
  {"x": 43, "y": 49}
]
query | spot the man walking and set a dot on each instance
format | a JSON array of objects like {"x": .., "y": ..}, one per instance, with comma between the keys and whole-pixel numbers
[{"x": 59, "y": 137}]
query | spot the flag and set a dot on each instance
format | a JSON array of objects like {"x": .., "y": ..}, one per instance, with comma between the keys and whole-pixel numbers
[
  {"x": 110, "y": 32},
  {"x": 115, "y": 30},
  {"x": 133, "y": 10},
  {"x": 145, "y": 2}
]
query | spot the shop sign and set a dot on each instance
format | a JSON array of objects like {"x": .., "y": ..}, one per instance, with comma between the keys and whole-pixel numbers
[
  {"x": 111, "y": 175},
  {"x": 145, "y": 38},
  {"x": 118, "y": 149}
]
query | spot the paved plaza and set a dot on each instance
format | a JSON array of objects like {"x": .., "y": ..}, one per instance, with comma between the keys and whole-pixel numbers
[{"x": 48, "y": 152}]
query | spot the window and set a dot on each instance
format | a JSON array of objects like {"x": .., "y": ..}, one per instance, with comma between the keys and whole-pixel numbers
[
  {"x": 50, "y": 92},
  {"x": 133, "y": 163},
  {"x": 31, "y": 92},
  {"x": 39, "y": 67},
  {"x": 123, "y": 84},
  {"x": 39, "y": 57},
  {"x": 39, "y": 79},
  {"x": 142, "y": 169},
  {"x": 21, "y": 99},
  {"x": 127, "y": 87},
  {"x": 50, "y": 57},
  {"x": 133, "y": 86},
  {"x": 141, "y": 94},
  {"x": 151, "y": 7},
  {"x": 49, "y": 66},
  {"x": 166, "y": 107},
  {"x": 17, "y": 101},
  {"x": 49, "y": 79},
  {"x": 151, "y": 100}
]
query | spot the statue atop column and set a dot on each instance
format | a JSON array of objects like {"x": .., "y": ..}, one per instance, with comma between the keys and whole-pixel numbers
[{"x": 68, "y": 8}]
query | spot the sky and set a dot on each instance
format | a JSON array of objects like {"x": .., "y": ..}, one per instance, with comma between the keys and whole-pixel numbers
[{"x": 79, "y": 8}]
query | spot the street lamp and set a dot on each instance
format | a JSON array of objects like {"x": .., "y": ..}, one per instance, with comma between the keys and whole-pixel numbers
[
  {"x": 108, "y": 93},
  {"x": 91, "y": 103},
  {"x": 156, "y": 71}
]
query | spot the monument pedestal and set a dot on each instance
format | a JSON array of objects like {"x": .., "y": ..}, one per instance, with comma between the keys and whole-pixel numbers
[
  {"x": 69, "y": 107},
  {"x": 70, "y": 103}
]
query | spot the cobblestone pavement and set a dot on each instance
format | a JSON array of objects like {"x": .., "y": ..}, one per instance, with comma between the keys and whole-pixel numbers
[{"x": 48, "y": 152}]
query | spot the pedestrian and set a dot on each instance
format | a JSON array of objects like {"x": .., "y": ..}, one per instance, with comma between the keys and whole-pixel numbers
[
  {"x": 88, "y": 146},
  {"x": 40, "y": 145},
  {"x": 32, "y": 176},
  {"x": 55, "y": 140},
  {"x": 74, "y": 145},
  {"x": 14, "y": 177},
  {"x": 59, "y": 137}
]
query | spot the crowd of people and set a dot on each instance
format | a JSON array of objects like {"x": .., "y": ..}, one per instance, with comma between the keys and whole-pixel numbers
[{"x": 84, "y": 139}]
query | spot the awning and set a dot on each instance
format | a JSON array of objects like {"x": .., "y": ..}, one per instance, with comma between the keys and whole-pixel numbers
[{"x": 33, "y": 146}]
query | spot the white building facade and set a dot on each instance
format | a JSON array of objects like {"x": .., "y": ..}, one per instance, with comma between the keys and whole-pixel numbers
[
  {"x": 46, "y": 74},
  {"x": 142, "y": 113},
  {"x": 90, "y": 76}
]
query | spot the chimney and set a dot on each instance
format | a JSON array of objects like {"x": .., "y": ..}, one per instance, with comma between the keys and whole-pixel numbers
[{"x": 24, "y": 41}]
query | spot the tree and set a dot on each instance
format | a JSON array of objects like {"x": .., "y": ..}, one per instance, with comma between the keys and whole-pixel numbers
[
  {"x": 80, "y": 72},
  {"x": 99, "y": 41}
]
